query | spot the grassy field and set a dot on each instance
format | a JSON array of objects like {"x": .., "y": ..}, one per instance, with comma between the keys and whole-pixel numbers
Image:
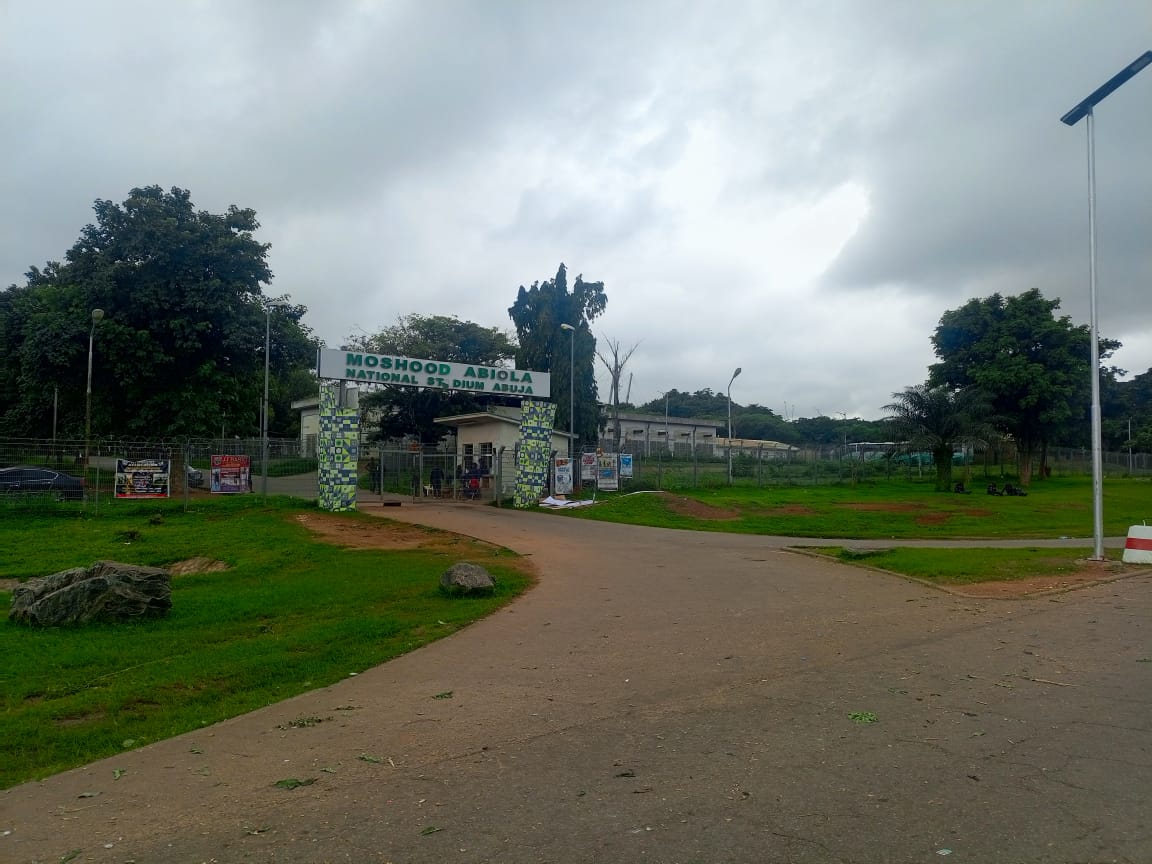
[
  {"x": 1058, "y": 507},
  {"x": 290, "y": 614}
]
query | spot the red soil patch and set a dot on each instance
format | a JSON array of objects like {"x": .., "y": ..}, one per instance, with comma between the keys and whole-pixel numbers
[
  {"x": 697, "y": 509},
  {"x": 382, "y": 534},
  {"x": 356, "y": 534},
  {"x": 882, "y": 507},
  {"x": 787, "y": 510},
  {"x": 933, "y": 518}
]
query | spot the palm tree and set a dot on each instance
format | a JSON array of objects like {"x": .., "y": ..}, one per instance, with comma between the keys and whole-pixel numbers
[{"x": 937, "y": 419}]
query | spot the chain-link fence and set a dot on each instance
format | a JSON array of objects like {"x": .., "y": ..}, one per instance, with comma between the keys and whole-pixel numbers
[
  {"x": 66, "y": 474},
  {"x": 69, "y": 473},
  {"x": 706, "y": 467}
]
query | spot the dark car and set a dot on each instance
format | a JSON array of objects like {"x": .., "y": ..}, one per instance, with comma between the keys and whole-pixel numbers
[
  {"x": 23, "y": 480},
  {"x": 194, "y": 476}
]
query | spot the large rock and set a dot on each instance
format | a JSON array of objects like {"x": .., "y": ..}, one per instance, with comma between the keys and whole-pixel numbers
[
  {"x": 106, "y": 591},
  {"x": 465, "y": 578}
]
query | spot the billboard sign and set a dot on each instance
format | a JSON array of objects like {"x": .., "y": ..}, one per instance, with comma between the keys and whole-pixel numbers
[{"x": 361, "y": 366}]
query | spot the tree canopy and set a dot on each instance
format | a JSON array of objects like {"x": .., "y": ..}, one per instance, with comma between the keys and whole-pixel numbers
[
  {"x": 538, "y": 313},
  {"x": 1034, "y": 366},
  {"x": 180, "y": 349},
  {"x": 405, "y": 411}
]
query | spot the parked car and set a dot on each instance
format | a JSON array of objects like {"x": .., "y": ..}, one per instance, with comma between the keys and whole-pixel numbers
[
  {"x": 194, "y": 476},
  {"x": 26, "y": 479}
]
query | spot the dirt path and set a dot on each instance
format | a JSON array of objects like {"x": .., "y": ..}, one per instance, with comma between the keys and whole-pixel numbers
[{"x": 666, "y": 696}]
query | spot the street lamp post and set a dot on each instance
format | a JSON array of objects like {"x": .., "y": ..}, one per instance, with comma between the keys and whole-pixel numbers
[
  {"x": 1085, "y": 110},
  {"x": 730, "y": 436},
  {"x": 264, "y": 412},
  {"x": 571, "y": 386},
  {"x": 97, "y": 317}
]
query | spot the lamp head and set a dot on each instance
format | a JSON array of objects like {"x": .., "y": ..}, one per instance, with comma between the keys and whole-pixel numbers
[
  {"x": 97, "y": 315},
  {"x": 567, "y": 327}
]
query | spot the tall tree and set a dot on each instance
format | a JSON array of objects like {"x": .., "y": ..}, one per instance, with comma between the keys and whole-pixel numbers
[
  {"x": 937, "y": 419},
  {"x": 614, "y": 360},
  {"x": 1034, "y": 366},
  {"x": 407, "y": 411},
  {"x": 181, "y": 344},
  {"x": 538, "y": 313}
]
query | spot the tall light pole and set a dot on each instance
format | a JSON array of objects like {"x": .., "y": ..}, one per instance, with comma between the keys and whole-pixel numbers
[
  {"x": 1082, "y": 110},
  {"x": 97, "y": 317},
  {"x": 264, "y": 413},
  {"x": 667, "y": 440},
  {"x": 730, "y": 436},
  {"x": 571, "y": 386}
]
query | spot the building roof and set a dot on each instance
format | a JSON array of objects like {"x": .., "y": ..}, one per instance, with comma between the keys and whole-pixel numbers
[
  {"x": 498, "y": 414},
  {"x": 671, "y": 419},
  {"x": 754, "y": 444}
]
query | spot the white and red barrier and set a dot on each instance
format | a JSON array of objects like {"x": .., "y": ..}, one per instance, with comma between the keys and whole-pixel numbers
[{"x": 1138, "y": 548}]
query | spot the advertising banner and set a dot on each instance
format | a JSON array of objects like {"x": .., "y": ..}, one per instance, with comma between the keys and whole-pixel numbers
[
  {"x": 563, "y": 476},
  {"x": 607, "y": 472},
  {"x": 625, "y": 466},
  {"x": 142, "y": 478},
  {"x": 587, "y": 467},
  {"x": 231, "y": 474}
]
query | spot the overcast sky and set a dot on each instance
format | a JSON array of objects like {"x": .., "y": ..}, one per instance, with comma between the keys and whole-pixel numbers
[{"x": 800, "y": 189}]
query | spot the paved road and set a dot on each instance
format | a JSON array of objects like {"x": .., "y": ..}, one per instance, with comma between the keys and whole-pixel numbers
[{"x": 667, "y": 696}]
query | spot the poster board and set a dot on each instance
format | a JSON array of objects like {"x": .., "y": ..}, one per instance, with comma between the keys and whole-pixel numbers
[
  {"x": 231, "y": 474},
  {"x": 587, "y": 467},
  {"x": 607, "y": 472},
  {"x": 625, "y": 466},
  {"x": 562, "y": 479},
  {"x": 142, "y": 478}
]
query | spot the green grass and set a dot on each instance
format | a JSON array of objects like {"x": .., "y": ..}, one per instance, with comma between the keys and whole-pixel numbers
[
  {"x": 290, "y": 615},
  {"x": 965, "y": 566},
  {"x": 897, "y": 509}
]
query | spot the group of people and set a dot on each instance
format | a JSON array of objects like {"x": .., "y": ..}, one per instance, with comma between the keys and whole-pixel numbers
[
  {"x": 1008, "y": 489},
  {"x": 467, "y": 479}
]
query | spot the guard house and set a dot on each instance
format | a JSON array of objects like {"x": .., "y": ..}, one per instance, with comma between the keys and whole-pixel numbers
[
  {"x": 649, "y": 434},
  {"x": 482, "y": 436}
]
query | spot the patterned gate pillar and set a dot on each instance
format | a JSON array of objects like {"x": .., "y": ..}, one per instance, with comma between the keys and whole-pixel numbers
[
  {"x": 533, "y": 457},
  {"x": 337, "y": 451}
]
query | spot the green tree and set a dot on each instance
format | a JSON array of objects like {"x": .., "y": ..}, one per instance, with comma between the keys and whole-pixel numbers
[
  {"x": 1034, "y": 367},
  {"x": 538, "y": 313},
  {"x": 937, "y": 419},
  {"x": 407, "y": 411},
  {"x": 1128, "y": 408},
  {"x": 181, "y": 345}
]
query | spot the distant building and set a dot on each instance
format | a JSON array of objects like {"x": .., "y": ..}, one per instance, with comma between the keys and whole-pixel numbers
[
  {"x": 309, "y": 409},
  {"x": 649, "y": 434},
  {"x": 758, "y": 448}
]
